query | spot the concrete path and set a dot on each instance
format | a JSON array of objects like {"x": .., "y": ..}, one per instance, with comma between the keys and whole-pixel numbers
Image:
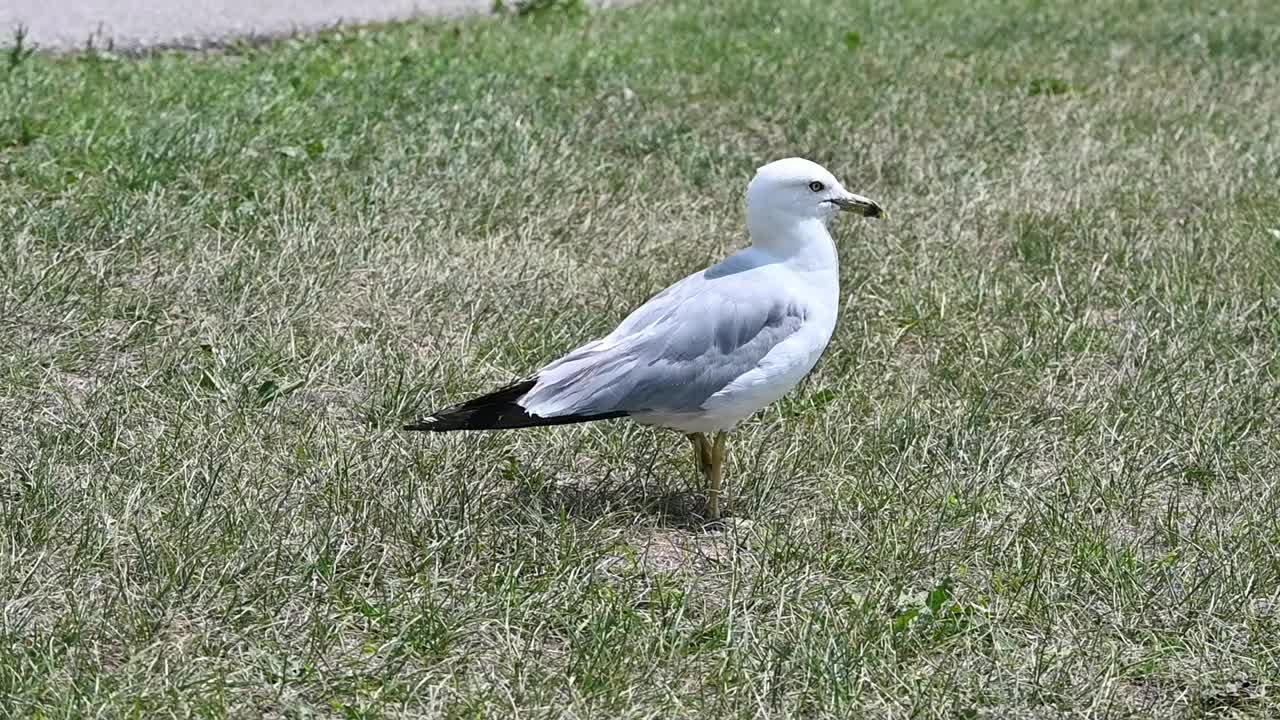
[{"x": 134, "y": 24}]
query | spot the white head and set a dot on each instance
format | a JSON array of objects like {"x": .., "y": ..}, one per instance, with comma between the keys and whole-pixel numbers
[{"x": 786, "y": 194}]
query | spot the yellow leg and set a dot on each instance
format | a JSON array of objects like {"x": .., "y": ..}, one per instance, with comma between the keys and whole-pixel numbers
[
  {"x": 716, "y": 476},
  {"x": 701, "y": 453}
]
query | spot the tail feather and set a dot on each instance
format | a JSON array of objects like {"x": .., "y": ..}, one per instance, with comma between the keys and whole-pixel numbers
[{"x": 498, "y": 410}]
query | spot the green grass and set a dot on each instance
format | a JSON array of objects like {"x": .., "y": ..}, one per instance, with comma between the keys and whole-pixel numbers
[{"x": 1037, "y": 473}]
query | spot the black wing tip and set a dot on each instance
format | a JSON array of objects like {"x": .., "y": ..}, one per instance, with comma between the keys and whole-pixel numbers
[
  {"x": 509, "y": 421},
  {"x": 498, "y": 410},
  {"x": 485, "y": 412},
  {"x": 428, "y": 424}
]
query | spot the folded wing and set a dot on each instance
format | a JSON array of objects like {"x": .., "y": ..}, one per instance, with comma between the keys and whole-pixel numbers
[{"x": 672, "y": 353}]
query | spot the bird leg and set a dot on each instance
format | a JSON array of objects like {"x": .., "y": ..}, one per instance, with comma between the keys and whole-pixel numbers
[
  {"x": 701, "y": 453},
  {"x": 715, "y": 476}
]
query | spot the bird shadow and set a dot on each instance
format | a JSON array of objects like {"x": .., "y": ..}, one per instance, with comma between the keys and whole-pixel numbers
[{"x": 587, "y": 499}]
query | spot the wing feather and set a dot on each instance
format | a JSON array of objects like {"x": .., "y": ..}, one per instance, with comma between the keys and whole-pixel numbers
[{"x": 674, "y": 352}]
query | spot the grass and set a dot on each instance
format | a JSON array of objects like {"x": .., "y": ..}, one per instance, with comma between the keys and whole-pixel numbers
[{"x": 1037, "y": 473}]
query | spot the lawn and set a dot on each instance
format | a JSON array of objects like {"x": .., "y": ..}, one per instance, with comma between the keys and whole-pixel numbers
[{"x": 1036, "y": 474}]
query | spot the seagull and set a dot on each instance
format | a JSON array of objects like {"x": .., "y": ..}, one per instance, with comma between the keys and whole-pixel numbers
[{"x": 710, "y": 350}]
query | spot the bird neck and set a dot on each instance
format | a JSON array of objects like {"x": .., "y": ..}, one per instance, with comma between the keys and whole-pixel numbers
[{"x": 802, "y": 243}]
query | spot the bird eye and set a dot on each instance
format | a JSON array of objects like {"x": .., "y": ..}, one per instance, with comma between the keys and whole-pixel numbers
[{"x": 817, "y": 186}]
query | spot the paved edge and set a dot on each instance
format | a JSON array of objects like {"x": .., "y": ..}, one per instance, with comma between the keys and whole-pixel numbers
[{"x": 191, "y": 40}]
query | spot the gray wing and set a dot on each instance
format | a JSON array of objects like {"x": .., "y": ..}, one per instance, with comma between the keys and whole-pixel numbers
[{"x": 674, "y": 352}]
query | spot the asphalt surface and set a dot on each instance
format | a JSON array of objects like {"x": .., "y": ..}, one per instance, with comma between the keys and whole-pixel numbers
[{"x": 63, "y": 25}]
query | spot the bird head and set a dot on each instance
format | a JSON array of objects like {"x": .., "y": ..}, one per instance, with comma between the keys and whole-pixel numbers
[{"x": 796, "y": 189}]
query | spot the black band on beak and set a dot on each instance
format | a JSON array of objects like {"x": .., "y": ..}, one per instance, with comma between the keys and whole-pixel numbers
[{"x": 861, "y": 205}]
